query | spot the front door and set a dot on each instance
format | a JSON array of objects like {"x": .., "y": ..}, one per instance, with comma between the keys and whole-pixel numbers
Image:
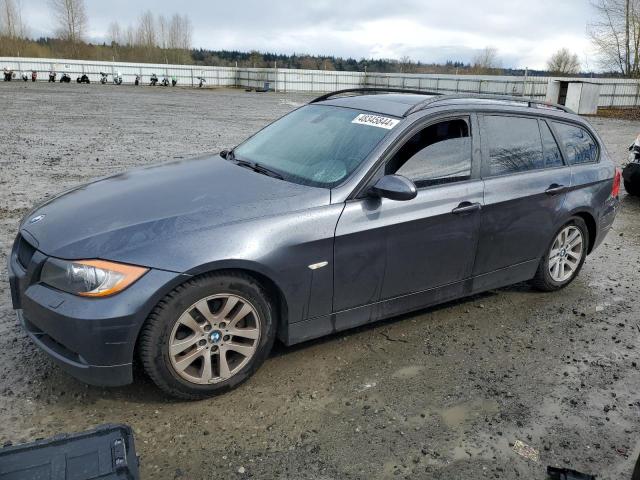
[{"x": 386, "y": 249}]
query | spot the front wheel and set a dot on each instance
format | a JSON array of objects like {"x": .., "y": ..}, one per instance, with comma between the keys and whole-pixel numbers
[
  {"x": 208, "y": 335},
  {"x": 564, "y": 257}
]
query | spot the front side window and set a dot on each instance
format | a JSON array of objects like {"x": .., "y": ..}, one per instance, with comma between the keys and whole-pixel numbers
[
  {"x": 317, "y": 145},
  {"x": 513, "y": 143},
  {"x": 579, "y": 145},
  {"x": 438, "y": 154}
]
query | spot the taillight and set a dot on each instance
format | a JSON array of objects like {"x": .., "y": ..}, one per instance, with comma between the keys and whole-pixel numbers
[{"x": 615, "y": 191}]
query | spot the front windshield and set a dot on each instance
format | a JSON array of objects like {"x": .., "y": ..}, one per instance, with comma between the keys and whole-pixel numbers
[{"x": 316, "y": 145}]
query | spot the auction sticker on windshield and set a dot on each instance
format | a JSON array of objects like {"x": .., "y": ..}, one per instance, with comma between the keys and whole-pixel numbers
[{"x": 375, "y": 121}]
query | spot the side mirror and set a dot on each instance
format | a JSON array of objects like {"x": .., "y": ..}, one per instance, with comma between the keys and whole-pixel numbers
[
  {"x": 224, "y": 153},
  {"x": 394, "y": 187}
]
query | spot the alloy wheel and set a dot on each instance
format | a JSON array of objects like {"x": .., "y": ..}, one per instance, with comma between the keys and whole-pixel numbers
[
  {"x": 214, "y": 339},
  {"x": 566, "y": 253}
]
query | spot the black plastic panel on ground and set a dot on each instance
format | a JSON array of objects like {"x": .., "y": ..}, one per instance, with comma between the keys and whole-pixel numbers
[{"x": 108, "y": 452}]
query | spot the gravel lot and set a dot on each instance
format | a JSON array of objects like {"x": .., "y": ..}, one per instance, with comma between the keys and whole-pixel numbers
[{"x": 443, "y": 393}]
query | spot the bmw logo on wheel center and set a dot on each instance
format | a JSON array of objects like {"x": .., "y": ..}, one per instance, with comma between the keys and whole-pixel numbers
[{"x": 215, "y": 336}]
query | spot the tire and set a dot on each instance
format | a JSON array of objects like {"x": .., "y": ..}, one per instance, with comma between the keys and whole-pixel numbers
[
  {"x": 167, "y": 325},
  {"x": 543, "y": 279},
  {"x": 632, "y": 189}
]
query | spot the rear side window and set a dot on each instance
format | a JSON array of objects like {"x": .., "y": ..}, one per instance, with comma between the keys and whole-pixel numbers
[
  {"x": 513, "y": 144},
  {"x": 579, "y": 145},
  {"x": 552, "y": 155}
]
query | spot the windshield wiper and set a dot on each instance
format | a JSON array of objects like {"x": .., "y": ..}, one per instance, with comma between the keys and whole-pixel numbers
[
  {"x": 256, "y": 167},
  {"x": 267, "y": 171}
]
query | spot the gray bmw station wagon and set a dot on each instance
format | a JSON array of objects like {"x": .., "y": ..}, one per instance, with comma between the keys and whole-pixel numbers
[{"x": 362, "y": 205}]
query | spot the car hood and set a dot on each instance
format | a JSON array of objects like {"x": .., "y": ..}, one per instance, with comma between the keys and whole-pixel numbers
[{"x": 164, "y": 203}]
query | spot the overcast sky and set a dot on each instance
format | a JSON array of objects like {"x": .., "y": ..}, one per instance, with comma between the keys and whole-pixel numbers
[{"x": 525, "y": 32}]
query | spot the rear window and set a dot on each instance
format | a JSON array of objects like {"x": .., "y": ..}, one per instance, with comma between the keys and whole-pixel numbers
[
  {"x": 579, "y": 145},
  {"x": 514, "y": 144}
]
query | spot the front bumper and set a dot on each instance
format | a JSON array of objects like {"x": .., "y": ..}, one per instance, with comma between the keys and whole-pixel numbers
[
  {"x": 73, "y": 363},
  {"x": 93, "y": 339}
]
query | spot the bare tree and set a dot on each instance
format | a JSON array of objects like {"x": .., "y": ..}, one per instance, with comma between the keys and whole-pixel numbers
[
  {"x": 146, "y": 34},
  {"x": 163, "y": 32},
  {"x": 307, "y": 62},
  {"x": 115, "y": 33},
  {"x": 71, "y": 19},
  {"x": 563, "y": 62},
  {"x": 616, "y": 35},
  {"x": 130, "y": 36},
  {"x": 180, "y": 32},
  {"x": 187, "y": 33},
  {"x": 154, "y": 38},
  {"x": 486, "y": 61},
  {"x": 13, "y": 31},
  {"x": 406, "y": 65},
  {"x": 11, "y": 24}
]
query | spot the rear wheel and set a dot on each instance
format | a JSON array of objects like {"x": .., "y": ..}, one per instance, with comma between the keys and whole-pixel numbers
[
  {"x": 564, "y": 258},
  {"x": 208, "y": 335}
]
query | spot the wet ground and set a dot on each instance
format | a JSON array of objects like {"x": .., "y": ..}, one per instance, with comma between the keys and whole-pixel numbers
[{"x": 445, "y": 393}]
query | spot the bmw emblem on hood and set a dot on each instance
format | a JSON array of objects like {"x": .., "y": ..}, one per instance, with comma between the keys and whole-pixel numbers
[{"x": 36, "y": 219}]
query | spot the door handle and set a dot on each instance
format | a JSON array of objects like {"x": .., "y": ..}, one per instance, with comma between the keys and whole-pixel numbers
[
  {"x": 466, "y": 207},
  {"x": 555, "y": 189}
]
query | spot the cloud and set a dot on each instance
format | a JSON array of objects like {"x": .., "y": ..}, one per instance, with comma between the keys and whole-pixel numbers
[{"x": 525, "y": 32}]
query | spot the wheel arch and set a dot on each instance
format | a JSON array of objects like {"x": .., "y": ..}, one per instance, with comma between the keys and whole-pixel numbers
[
  {"x": 261, "y": 275},
  {"x": 592, "y": 226},
  {"x": 264, "y": 275}
]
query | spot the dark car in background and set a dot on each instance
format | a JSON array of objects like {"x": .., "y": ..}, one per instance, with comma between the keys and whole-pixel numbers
[
  {"x": 359, "y": 206},
  {"x": 631, "y": 171}
]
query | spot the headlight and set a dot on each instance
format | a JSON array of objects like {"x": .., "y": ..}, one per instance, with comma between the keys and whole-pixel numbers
[{"x": 89, "y": 278}]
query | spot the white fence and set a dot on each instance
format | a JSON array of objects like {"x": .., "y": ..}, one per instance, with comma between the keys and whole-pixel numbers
[{"x": 614, "y": 92}]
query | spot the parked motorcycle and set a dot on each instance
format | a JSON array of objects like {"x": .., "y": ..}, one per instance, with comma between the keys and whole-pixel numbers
[
  {"x": 165, "y": 82},
  {"x": 153, "y": 80},
  {"x": 137, "y": 80},
  {"x": 52, "y": 76},
  {"x": 631, "y": 172},
  {"x": 174, "y": 81},
  {"x": 65, "y": 78},
  {"x": 117, "y": 79},
  {"x": 202, "y": 81},
  {"x": 84, "y": 78},
  {"x": 25, "y": 76},
  {"x": 104, "y": 78},
  {"x": 8, "y": 74},
  {"x": 34, "y": 76}
]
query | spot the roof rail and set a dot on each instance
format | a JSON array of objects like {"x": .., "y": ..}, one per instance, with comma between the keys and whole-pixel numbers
[
  {"x": 369, "y": 91},
  {"x": 501, "y": 98}
]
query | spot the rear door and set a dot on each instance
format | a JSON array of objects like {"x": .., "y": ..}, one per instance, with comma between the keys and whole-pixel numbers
[{"x": 526, "y": 180}]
